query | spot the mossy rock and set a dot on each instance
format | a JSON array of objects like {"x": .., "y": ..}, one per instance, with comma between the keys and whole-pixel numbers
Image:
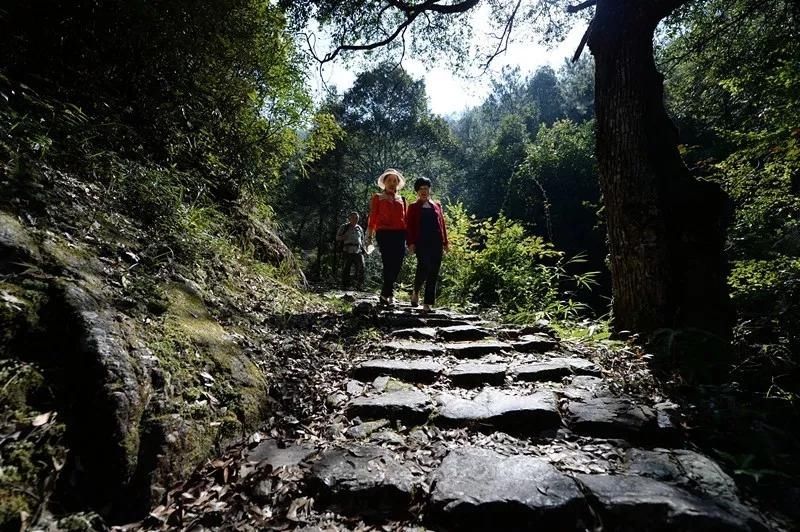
[
  {"x": 19, "y": 313},
  {"x": 17, "y": 245},
  {"x": 23, "y": 385},
  {"x": 235, "y": 375}
]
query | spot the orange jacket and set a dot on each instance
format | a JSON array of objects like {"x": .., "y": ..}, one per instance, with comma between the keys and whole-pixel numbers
[{"x": 387, "y": 211}]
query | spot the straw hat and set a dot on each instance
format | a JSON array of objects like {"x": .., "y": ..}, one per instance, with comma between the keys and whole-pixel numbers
[{"x": 391, "y": 171}]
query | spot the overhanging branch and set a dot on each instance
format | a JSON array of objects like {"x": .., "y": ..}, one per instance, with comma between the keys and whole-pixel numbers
[
  {"x": 434, "y": 6},
  {"x": 411, "y": 11},
  {"x": 583, "y": 42},
  {"x": 581, "y": 6},
  {"x": 502, "y": 45}
]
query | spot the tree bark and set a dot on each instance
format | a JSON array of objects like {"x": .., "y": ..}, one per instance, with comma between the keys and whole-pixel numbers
[{"x": 665, "y": 228}]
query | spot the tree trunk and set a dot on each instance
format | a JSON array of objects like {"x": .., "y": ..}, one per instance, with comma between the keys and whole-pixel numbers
[{"x": 665, "y": 228}]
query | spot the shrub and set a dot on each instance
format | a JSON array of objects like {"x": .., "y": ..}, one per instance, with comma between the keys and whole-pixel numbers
[{"x": 494, "y": 263}]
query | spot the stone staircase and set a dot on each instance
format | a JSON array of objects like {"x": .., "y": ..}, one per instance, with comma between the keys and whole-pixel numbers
[{"x": 457, "y": 424}]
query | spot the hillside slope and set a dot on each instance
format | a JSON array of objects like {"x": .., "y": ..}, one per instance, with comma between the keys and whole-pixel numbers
[{"x": 125, "y": 360}]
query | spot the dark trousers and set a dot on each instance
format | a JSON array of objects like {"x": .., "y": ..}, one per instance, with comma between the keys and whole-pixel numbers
[
  {"x": 353, "y": 260},
  {"x": 429, "y": 261},
  {"x": 393, "y": 248}
]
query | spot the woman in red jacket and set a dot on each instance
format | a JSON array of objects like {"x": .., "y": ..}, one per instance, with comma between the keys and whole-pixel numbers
[
  {"x": 387, "y": 224},
  {"x": 427, "y": 237}
]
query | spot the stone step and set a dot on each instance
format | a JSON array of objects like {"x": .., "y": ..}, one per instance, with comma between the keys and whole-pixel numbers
[
  {"x": 554, "y": 369},
  {"x": 476, "y": 488},
  {"x": 368, "y": 481},
  {"x": 471, "y": 374},
  {"x": 408, "y": 317},
  {"x": 476, "y": 349},
  {"x": 415, "y": 348},
  {"x": 269, "y": 452},
  {"x": 420, "y": 370},
  {"x": 495, "y": 409},
  {"x": 610, "y": 417},
  {"x": 445, "y": 322},
  {"x": 639, "y": 503},
  {"x": 460, "y": 333},
  {"x": 479, "y": 489},
  {"x": 408, "y": 406},
  {"x": 418, "y": 333},
  {"x": 534, "y": 343}
]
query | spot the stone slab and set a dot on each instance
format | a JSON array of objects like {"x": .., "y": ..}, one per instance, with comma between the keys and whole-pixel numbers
[
  {"x": 408, "y": 370},
  {"x": 460, "y": 333},
  {"x": 555, "y": 369},
  {"x": 479, "y": 489},
  {"x": 475, "y": 349},
  {"x": 690, "y": 470},
  {"x": 471, "y": 374},
  {"x": 415, "y": 348},
  {"x": 494, "y": 408},
  {"x": 270, "y": 452},
  {"x": 416, "y": 333},
  {"x": 610, "y": 417},
  {"x": 410, "y": 406},
  {"x": 521, "y": 413},
  {"x": 548, "y": 370},
  {"x": 444, "y": 322},
  {"x": 581, "y": 366},
  {"x": 402, "y": 319},
  {"x": 633, "y": 503},
  {"x": 364, "y": 480},
  {"x": 457, "y": 411},
  {"x": 534, "y": 343},
  {"x": 363, "y": 430}
]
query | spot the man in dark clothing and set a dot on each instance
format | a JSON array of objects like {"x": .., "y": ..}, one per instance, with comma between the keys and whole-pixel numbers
[{"x": 351, "y": 236}]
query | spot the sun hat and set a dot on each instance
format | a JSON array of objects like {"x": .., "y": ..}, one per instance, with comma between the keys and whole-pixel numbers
[{"x": 391, "y": 171}]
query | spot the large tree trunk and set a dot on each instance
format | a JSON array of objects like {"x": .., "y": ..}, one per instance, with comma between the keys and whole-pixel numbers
[{"x": 665, "y": 228}]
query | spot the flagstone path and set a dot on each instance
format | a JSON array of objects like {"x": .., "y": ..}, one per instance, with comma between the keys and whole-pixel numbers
[{"x": 460, "y": 425}]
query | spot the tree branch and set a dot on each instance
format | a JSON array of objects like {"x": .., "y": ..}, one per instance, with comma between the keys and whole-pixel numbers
[
  {"x": 412, "y": 11},
  {"x": 502, "y": 45},
  {"x": 581, "y": 6},
  {"x": 433, "y": 6},
  {"x": 330, "y": 56},
  {"x": 583, "y": 42}
]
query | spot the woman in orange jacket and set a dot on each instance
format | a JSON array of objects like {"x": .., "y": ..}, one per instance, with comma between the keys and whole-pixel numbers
[{"x": 387, "y": 224}]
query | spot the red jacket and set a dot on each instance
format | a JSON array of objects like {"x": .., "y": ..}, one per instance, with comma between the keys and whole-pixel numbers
[
  {"x": 387, "y": 211},
  {"x": 413, "y": 222}
]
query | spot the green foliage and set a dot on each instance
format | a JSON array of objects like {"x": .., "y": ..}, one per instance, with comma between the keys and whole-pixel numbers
[
  {"x": 494, "y": 263},
  {"x": 214, "y": 89},
  {"x": 521, "y": 156},
  {"x": 734, "y": 84},
  {"x": 555, "y": 188}
]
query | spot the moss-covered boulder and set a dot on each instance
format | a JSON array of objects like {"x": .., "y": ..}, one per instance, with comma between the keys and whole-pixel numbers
[{"x": 142, "y": 399}]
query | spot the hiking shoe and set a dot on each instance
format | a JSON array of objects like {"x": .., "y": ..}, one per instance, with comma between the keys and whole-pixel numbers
[
  {"x": 426, "y": 308},
  {"x": 414, "y": 299},
  {"x": 384, "y": 301}
]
